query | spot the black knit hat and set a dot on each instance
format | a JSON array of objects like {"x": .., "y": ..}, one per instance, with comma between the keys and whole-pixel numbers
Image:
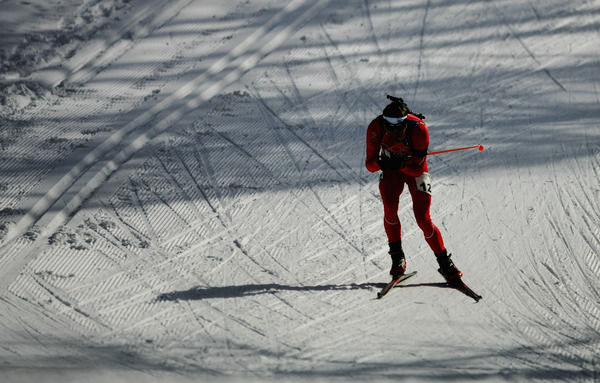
[{"x": 396, "y": 109}]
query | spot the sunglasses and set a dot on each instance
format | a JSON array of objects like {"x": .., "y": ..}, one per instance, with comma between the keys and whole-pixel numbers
[{"x": 393, "y": 123}]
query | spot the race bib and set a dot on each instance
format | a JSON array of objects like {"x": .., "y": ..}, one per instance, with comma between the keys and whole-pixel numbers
[{"x": 424, "y": 183}]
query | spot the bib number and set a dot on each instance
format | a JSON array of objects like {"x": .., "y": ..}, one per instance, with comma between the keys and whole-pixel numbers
[{"x": 424, "y": 183}]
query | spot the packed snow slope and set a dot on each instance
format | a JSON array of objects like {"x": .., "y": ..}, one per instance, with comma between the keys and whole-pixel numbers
[{"x": 183, "y": 192}]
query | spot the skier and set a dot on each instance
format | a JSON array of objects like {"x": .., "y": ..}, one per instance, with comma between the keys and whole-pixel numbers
[{"x": 397, "y": 143}]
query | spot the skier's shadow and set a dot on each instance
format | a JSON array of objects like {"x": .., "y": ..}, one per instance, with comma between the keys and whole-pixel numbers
[
  {"x": 200, "y": 293},
  {"x": 443, "y": 285}
]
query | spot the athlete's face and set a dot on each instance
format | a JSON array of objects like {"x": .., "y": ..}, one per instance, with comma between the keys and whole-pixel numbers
[
  {"x": 396, "y": 133},
  {"x": 395, "y": 127}
]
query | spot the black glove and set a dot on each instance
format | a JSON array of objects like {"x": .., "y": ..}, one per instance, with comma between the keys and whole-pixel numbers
[{"x": 394, "y": 163}]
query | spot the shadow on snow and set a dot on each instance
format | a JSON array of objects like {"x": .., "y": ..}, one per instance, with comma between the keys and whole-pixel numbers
[{"x": 211, "y": 292}]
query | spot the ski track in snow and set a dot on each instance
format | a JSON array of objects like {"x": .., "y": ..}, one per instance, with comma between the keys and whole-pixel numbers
[{"x": 191, "y": 200}]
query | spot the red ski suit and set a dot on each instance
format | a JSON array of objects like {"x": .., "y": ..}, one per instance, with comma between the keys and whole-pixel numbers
[{"x": 414, "y": 146}]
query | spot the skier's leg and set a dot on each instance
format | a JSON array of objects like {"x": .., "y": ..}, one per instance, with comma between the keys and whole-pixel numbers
[
  {"x": 421, "y": 207},
  {"x": 390, "y": 188}
]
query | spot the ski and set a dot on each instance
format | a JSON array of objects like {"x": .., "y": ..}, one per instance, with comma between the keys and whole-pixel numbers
[
  {"x": 461, "y": 286},
  {"x": 393, "y": 283},
  {"x": 468, "y": 291}
]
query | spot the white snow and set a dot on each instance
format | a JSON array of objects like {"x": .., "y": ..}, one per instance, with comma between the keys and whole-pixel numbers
[{"x": 183, "y": 194}]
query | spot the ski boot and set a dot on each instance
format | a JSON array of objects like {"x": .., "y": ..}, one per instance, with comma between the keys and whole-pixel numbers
[
  {"x": 447, "y": 267},
  {"x": 398, "y": 262}
]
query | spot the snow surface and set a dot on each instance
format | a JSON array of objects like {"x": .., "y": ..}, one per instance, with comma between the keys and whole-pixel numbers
[{"x": 183, "y": 193}]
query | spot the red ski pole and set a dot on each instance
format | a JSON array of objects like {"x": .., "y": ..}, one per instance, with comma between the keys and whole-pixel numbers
[{"x": 480, "y": 147}]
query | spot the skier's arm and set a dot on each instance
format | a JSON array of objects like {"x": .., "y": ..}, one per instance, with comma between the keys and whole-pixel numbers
[
  {"x": 373, "y": 146},
  {"x": 416, "y": 165}
]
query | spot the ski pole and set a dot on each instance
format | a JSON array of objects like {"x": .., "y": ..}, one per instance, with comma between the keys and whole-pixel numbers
[{"x": 480, "y": 147}]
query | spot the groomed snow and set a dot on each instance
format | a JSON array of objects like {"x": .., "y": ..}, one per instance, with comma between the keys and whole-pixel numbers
[{"x": 183, "y": 194}]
